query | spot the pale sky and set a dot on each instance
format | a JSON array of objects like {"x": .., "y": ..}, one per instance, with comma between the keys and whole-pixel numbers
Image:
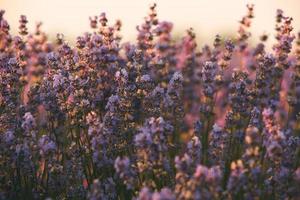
[{"x": 207, "y": 17}]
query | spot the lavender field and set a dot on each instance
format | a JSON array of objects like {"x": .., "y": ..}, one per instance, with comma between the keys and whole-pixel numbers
[{"x": 158, "y": 118}]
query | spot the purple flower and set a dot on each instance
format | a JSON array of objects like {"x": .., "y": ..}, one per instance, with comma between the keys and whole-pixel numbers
[
  {"x": 46, "y": 145},
  {"x": 28, "y": 122}
]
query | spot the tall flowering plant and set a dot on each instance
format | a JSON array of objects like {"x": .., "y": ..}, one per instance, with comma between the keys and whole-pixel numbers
[{"x": 155, "y": 119}]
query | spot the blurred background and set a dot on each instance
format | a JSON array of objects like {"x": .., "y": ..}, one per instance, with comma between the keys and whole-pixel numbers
[{"x": 207, "y": 17}]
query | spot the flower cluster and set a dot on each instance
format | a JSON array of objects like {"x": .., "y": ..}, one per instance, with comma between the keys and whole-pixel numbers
[{"x": 155, "y": 119}]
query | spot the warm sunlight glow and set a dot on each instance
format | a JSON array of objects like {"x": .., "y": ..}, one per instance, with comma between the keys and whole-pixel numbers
[{"x": 207, "y": 17}]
